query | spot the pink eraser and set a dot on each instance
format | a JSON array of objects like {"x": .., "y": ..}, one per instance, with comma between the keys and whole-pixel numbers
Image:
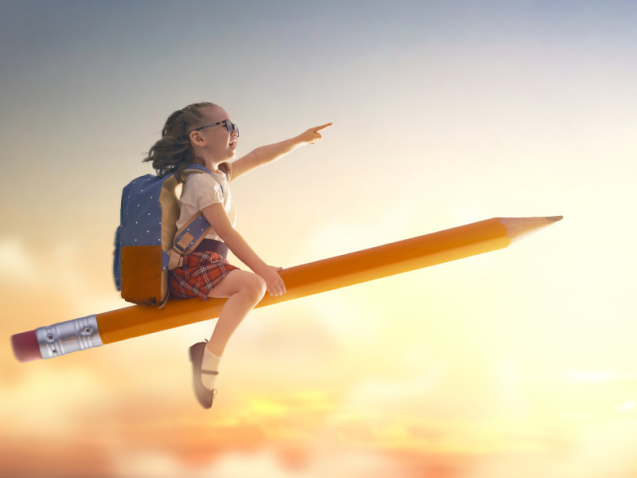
[{"x": 26, "y": 347}]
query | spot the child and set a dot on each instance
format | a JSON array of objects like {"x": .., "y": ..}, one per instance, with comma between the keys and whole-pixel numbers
[{"x": 203, "y": 133}]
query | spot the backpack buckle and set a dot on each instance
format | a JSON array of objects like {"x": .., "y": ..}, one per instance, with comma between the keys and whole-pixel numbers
[{"x": 183, "y": 242}]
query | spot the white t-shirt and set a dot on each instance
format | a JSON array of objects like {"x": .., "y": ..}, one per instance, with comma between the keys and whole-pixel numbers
[{"x": 200, "y": 191}]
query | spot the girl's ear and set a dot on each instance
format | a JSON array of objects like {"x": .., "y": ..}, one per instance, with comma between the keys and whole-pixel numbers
[{"x": 196, "y": 138}]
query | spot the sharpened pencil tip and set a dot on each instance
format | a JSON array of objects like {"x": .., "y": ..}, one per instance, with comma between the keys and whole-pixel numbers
[{"x": 519, "y": 227}]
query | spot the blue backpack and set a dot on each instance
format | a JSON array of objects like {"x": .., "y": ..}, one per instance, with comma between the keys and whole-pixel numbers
[{"x": 147, "y": 242}]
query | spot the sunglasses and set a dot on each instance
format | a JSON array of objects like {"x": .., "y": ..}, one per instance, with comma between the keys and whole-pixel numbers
[{"x": 231, "y": 127}]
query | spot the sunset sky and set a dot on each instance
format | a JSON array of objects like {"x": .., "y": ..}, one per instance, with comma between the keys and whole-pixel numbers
[{"x": 520, "y": 362}]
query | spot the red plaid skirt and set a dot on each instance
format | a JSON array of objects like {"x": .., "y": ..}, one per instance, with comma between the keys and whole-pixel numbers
[{"x": 198, "y": 275}]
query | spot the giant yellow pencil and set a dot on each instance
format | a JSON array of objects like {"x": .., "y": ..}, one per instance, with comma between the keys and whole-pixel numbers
[{"x": 300, "y": 281}]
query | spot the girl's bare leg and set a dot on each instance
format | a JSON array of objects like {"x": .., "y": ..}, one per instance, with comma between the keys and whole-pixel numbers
[{"x": 244, "y": 290}]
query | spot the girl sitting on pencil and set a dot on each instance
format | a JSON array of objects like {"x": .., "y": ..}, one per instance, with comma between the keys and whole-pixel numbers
[{"x": 203, "y": 133}]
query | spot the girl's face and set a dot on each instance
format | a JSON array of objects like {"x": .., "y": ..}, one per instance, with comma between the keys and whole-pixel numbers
[{"x": 219, "y": 145}]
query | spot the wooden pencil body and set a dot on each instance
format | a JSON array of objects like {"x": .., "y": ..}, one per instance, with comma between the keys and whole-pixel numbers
[{"x": 319, "y": 276}]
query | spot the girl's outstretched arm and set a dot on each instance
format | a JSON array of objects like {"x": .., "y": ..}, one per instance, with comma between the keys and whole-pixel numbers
[{"x": 271, "y": 152}]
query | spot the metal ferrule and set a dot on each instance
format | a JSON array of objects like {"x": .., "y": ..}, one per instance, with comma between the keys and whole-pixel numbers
[{"x": 70, "y": 336}]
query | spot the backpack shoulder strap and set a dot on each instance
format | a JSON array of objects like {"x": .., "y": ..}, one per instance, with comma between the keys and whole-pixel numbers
[
  {"x": 187, "y": 238},
  {"x": 190, "y": 235}
]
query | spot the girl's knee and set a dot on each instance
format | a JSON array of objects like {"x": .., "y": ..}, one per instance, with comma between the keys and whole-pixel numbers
[
  {"x": 262, "y": 286},
  {"x": 256, "y": 287}
]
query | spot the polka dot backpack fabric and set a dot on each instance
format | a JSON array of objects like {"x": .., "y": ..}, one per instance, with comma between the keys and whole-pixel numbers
[{"x": 147, "y": 242}]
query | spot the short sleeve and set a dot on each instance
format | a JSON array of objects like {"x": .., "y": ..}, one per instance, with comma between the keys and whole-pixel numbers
[{"x": 205, "y": 191}]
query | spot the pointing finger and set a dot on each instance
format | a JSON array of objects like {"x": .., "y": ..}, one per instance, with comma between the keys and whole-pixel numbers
[{"x": 319, "y": 128}]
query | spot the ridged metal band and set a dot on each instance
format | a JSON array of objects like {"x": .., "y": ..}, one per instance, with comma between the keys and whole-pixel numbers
[{"x": 70, "y": 336}]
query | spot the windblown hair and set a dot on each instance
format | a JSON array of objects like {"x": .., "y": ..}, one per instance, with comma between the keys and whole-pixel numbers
[{"x": 174, "y": 152}]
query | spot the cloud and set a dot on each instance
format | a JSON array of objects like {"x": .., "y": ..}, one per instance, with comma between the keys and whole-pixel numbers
[
  {"x": 597, "y": 375},
  {"x": 52, "y": 403},
  {"x": 265, "y": 463},
  {"x": 373, "y": 395},
  {"x": 65, "y": 270},
  {"x": 16, "y": 263},
  {"x": 608, "y": 450}
]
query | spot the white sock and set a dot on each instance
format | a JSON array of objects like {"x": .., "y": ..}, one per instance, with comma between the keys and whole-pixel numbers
[{"x": 210, "y": 362}]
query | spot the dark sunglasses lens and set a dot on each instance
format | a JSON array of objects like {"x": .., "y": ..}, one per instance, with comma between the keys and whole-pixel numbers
[{"x": 231, "y": 127}]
